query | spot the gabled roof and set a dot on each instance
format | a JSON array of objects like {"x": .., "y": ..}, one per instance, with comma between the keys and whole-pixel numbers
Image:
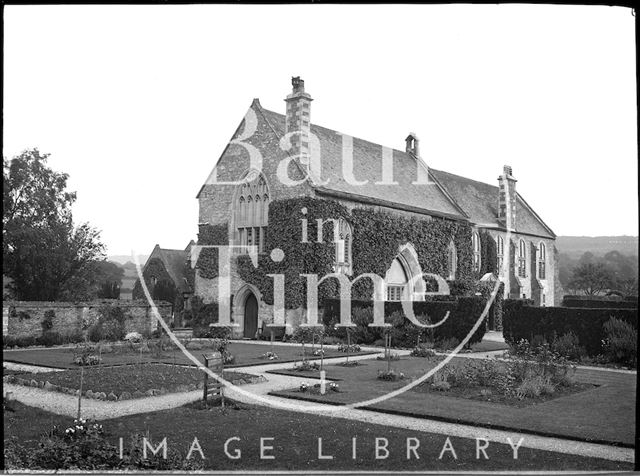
[
  {"x": 450, "y": 195},
  {"x": 367, "y": 165},
  {"x": 480, "y": 201},
  {"x": 175, "y": 262},
  {"x": 447, "y": 195}
]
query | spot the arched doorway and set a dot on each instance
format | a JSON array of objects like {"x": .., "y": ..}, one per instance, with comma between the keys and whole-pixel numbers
[{"x": 250, "y": 316}]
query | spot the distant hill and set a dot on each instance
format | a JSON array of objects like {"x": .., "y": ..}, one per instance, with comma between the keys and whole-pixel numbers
[{"x": 575, "y": 246}]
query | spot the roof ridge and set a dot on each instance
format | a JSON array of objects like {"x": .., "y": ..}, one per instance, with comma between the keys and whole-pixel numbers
[
  {"x": 462, "y": 176},
  {"x": 313, "y": 124}
]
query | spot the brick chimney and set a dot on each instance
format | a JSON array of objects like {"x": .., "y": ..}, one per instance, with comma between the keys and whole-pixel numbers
[
  {"x": 298, "y": 118},
  {"x": 507, "y": 198},
  {"x": 413, "y": 144}
]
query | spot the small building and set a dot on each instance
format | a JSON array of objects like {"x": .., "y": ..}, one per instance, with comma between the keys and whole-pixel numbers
[{"x": 167, "y": 276}]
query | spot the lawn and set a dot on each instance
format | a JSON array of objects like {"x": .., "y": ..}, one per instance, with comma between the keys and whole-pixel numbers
[
  {"x": 245, "y": 355},
  {"x": 295, "y": 442},
  {"x": 603, "y": 408},
  {"x": 132, "y": 379}
]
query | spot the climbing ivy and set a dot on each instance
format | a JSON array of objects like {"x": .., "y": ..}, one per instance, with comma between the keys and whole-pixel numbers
[
  {"x": 377, "y": 236},
  {"x": 488, "y": 254},
  {"x": 208, "y": 259},
  {"x": 310, "y": 257}
]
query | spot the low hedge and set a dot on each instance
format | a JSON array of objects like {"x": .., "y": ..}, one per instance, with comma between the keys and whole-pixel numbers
[
  {"x": 595, "y": 302},
  {"x": 523, "y": 321},
  {"x": 464, "y": 311}
]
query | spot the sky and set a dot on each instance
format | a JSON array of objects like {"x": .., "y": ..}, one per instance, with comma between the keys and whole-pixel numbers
[{"x": 136, "y": 103}]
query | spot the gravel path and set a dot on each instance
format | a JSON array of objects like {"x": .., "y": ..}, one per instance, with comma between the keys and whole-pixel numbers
[
  {"x": 67, "y": 405},
  {"x": 29, "y": 368}
]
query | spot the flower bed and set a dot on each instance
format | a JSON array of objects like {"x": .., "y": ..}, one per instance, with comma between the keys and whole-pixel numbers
[{"x": 126, "y": 381}]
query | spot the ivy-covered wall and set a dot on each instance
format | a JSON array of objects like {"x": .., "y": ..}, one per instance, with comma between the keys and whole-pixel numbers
[
  {"x": 377, "y": 236},
  {"x": 208, "y": 259},
  {"x": 164, "y": 288}
]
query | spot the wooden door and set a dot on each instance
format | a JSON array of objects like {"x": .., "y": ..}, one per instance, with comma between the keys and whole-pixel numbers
[{"x": 250, "y": 316}]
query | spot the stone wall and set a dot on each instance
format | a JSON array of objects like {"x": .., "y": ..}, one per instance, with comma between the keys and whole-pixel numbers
[
  {"x": 24, "y": 318},
  {"x": 216, "y": 200}
]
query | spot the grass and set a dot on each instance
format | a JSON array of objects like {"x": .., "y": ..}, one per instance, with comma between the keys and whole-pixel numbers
[
  {"x": 295, "y": 441},
  {"x": 602, "y": 409},
  {"x": 131, "y": 378},
  {"x": 245, "y": 355}
]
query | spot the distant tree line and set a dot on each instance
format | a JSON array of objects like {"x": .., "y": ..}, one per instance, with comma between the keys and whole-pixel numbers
[{"x": 597, "y": 275}]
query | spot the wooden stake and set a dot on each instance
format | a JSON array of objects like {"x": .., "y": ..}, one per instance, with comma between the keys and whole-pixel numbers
[{"x": 80, "y": 395}]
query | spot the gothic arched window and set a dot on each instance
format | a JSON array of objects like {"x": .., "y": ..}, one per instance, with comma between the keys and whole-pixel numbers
[
  {"x": 542, "y": 259},
  {"x": 522, "y": 259},
  {"x": 452, "y": 260},
  {"x": 475, "y": 238},
  {"x": 252, "y": 213},
  {"x": 343, "y": 247},
  {"x": 396, "y": 281},
  {"x": 500, "y": 253}
]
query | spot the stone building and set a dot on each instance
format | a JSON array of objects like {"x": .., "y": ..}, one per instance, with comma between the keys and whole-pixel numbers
[
  {"x": 167, "y": 276},
  {"x": 273, "y": 153}
]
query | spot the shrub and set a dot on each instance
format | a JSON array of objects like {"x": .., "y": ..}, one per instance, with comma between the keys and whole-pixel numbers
[
  {"x": 133, "y": 337},
  {"x": 47, "y": 321},
  {"x": 349, "y": 348},
  {"x": 621, "y": 342},
  {"x": 568, "y": 346},
  {"x": 522, "y": 321},
  {"x": 463, "y": 314},
  {"x": 594, "y": 302},
  {"x": 448, "y": 343},
  {"x": 390, "y": 375},
  {"x": 84, "y": 446},
  {"x": 535, "y": 386},
  {"x": 307, "y": 366},
  {"x": 95, "y": 334},
  {"x": 50, "y": 338},
  {"x": 423, "y": 351}
]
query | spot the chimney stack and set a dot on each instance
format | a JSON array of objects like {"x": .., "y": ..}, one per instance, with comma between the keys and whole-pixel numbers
[
  {"x": 413, "y": 144},
  {"x": 507, "y": 198},
  {"x": 298, "y": 118}
]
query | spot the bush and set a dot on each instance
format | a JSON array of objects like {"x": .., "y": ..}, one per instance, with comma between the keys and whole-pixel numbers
[
  {"x": 50, "y": 338},
  {"x": 353, "y": 348},
  {"x": 595, "y": 302},
  {"x": 534, "y": 387},
  {"x": 423, "y": 351},
  {"x": 133, "y": 337},
  {"x": 621, "y": 342},
  {"x": 84, "y": 446},
  {"x": 87, "y": 360},
  {"x": 463, "y": 314},
  {"x": 213, "y": 332},
  {"x": 94, "y": 334},
  {"x": 47, "y": 321},
  {"x": 522, "y": 321},
  {"x": 569, "y": 347},
  {"x": 390, "y": 375},
  {"x": 19, "y": 341},
  {"x": 448, "y": 343}
]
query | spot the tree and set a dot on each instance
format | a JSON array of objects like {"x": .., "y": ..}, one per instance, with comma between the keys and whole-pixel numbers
[
  {"x": 591, "y": 278},
  {"x": 46, "y": 257}
]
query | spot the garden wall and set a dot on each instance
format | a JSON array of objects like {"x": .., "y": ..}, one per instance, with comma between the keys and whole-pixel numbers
[
  {"x": 24, "y": 318},
  {"x": 522, "y": 321}
]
